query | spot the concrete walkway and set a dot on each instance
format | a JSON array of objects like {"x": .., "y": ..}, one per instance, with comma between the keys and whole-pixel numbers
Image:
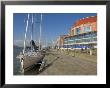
[{"x": 57, "y": 63}]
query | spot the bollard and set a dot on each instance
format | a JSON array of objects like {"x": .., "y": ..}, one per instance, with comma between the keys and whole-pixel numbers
[{"x": 90, "y": 51}]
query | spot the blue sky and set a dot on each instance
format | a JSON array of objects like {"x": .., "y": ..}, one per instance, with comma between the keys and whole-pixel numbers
[{"x": 53, "y": 25}]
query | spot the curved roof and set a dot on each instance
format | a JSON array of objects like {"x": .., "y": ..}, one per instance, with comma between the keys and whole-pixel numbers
[{"x": 90, "y": 19}]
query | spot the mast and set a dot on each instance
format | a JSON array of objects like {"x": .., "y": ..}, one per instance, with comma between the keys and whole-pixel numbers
[
  {"x": 40, "y": 33},
  {"x": 46, "y": 42},
  {"x": 32, "y": 32},
  {"x": 27, "y": 23}
]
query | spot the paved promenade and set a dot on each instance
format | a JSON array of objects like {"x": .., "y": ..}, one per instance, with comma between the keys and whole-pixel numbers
[{"x": 59, "y": 63}]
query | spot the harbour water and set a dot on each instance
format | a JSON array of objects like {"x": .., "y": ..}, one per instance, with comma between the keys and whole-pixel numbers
[{"x": 16, "y": 62}]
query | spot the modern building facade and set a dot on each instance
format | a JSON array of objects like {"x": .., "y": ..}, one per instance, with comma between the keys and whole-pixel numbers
[
  {"x": 83, "y": 34},
  {"x": 60, "y": 41}
]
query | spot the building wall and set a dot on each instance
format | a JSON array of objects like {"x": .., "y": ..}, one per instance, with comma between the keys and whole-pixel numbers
[
  {"x": 81, "y": 41},
  {"x": 83, "y": 34},
  {"x": 84, "y": 28},
  {"x": 82, "y": 25},
  {"x": 60, "y": 40}
]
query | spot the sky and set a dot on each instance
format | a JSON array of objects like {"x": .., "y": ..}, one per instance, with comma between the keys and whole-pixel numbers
[{"x": 53, "y": 25}]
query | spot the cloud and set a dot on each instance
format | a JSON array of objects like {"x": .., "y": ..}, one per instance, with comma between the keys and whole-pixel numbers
[{"x": 21, "y": 42}]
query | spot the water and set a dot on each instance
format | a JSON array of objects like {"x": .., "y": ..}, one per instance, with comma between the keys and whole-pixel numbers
[
  {"x": 16, "y": 62},
  {"x": 17, "y": 66}
]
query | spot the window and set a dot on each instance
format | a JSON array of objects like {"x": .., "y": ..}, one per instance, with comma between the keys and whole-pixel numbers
[
  {"x": 87, "y": 29},
  {"x": 77, "y": 30}
]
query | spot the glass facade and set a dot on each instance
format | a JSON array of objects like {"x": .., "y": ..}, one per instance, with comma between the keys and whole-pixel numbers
[
  {"x": 80, "y": 41},
  {"x": 83, "y": 34}
]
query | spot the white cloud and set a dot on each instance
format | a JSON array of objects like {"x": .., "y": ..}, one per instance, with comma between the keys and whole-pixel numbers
[{"x": 20, "y": 42}]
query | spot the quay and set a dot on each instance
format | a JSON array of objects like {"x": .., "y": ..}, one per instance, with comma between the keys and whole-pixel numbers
[{"x": 62, "y": 63}]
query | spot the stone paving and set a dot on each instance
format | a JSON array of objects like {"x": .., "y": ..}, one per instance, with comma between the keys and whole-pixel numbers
[{"x": 59, "y": 63}]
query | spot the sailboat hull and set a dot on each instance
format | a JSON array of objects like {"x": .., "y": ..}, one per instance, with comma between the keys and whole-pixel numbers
[{"x": 28, "y": 61}]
